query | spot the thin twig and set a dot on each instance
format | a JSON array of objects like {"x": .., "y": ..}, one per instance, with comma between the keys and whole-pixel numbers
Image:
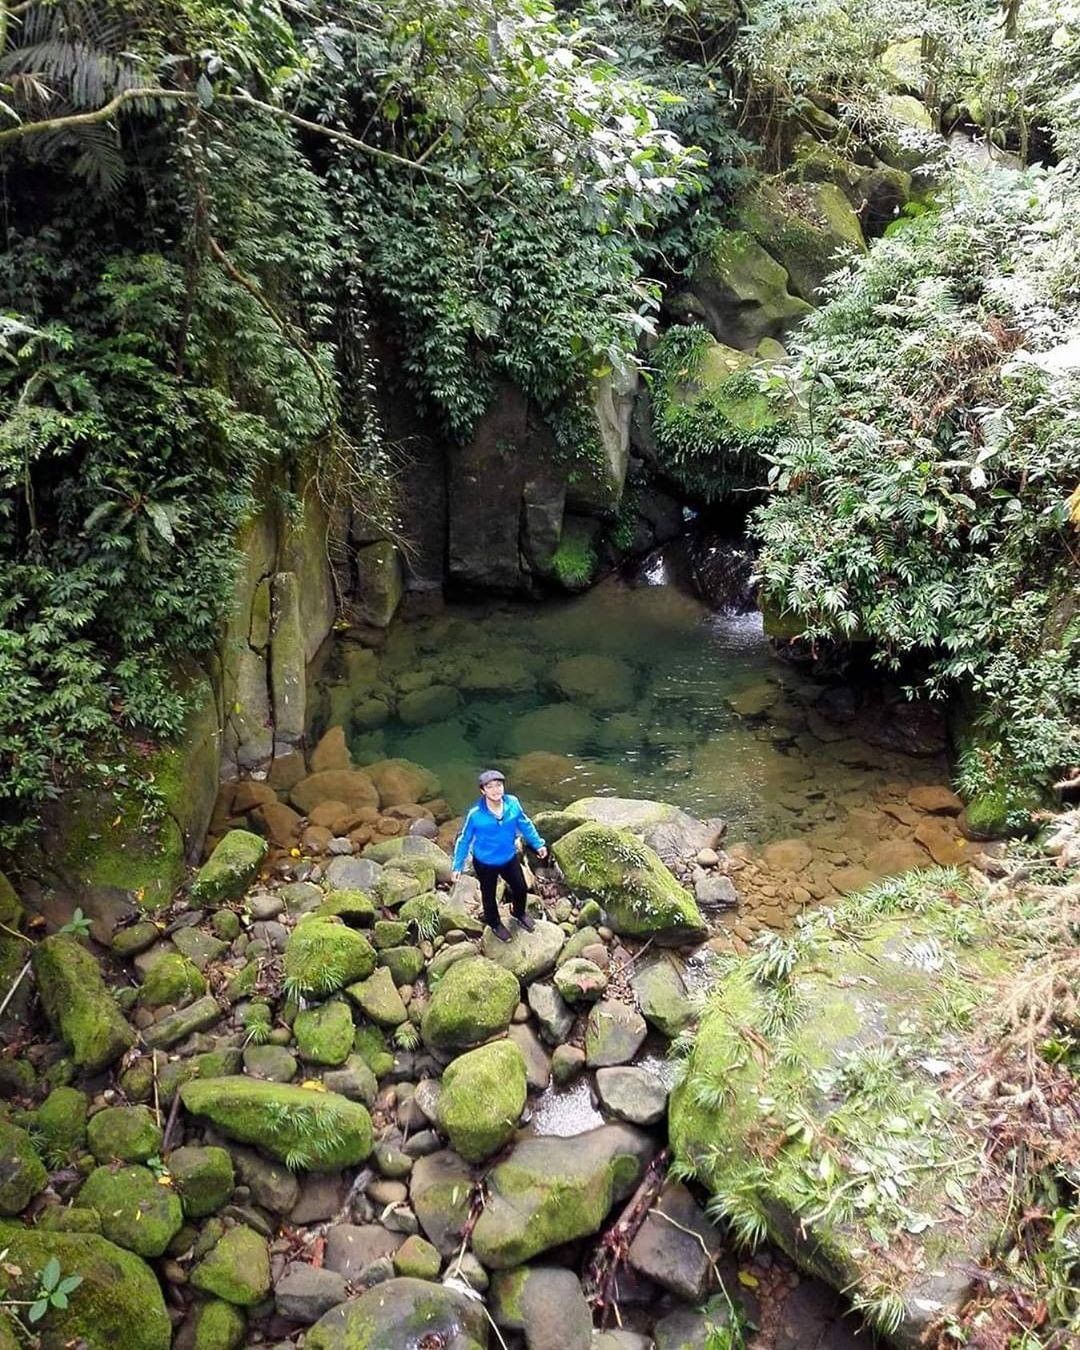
[{"x": 11, "y": 992}]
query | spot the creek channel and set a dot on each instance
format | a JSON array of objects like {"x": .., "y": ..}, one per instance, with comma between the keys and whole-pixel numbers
[{"x": 638, "y": 689}]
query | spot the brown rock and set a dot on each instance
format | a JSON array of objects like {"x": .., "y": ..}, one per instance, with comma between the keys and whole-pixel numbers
[
  {"x": 787, "y": 855},
  {"x": 331, "y": 752},
  {"x": 351, "y": 787},
  {"x": 249, "y": 794},
  {"x": 935, "y": 801},
  {"x": 849, "y": 879},
  {"x": 280, "y": 823},
  {"x": 328, "y": 814},
  {"x": 941, "y": 843},
  {"x": 893, "y": 856},
  {"x": 363, "y": 834},
  {"x": 388, "y": 827},
  {"x": 409, "y": 811},
  {"x": 901, "y": 812},
  {"x": 315, "y": 839},
  {"x": 287, "y": 770}
]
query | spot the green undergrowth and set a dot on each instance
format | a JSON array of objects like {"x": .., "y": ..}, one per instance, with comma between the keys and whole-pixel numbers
[
  {"x": 816, "y": 1103},
  {"x": 711, "y": 420}
]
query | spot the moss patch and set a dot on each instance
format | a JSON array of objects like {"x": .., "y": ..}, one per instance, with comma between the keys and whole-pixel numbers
[
  {"x": 320, "y": 1131},
  {"x": 118, "y": 1303},
  {"x": 237, "y": 1268},
  {"x": 22, "y": 1173},
  {"x": 136, "y": 1212},
  {"x": 126, "y": 1133},
  {"x": 77, "y": 1003},
  {"x": 322, "y": 957},
  {"x": 229, "y": 870},
  {"x": 474, "y": 1000},
  {"x": 483, "y": 1095}
]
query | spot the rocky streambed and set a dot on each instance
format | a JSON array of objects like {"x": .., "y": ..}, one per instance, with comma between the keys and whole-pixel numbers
[{"x": 314, "y": 1103}]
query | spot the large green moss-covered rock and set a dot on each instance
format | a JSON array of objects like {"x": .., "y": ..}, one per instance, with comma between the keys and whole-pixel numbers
[
  {"x": 22, "y": 1173},
  {"x": 875, "y": 1191},
  {"x": 377, "y": 996},
  {"x": 117, "y": 1304},
  {"x": 324, "y": 1035},
  {"x": 810, "y": 228},
  {"x": 402, "y": 1314},
  {"x": 203, "y": 1178},
  {"x": 124, "y": 1133},
  {"x": 301, "y": 1127},
  {"x": 483, "y": 1095},
  {"x": 236, "y": 1269},
  {"x": 76, "y": 1002},
  {"x": 136, "y": 1211},
  {"x": 229, "y": 870},
  {"x": 218, "y": 1326},
  {"x": 61, "y": 1121},
  {"x": 550, "y": 1191},
  {"x": 322, "y": 957},
  {"x": 741, "y": 292},
  {"x": 474, "y": 1000},
  {"x": 173, "y": 979},
  {"x": 639, "y": 894}
]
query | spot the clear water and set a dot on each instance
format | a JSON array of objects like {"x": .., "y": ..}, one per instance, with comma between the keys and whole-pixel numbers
[{"x": 690, "y": 707}]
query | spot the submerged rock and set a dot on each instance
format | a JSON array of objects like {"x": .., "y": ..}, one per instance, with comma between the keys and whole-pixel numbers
[
  {"x": 639, "y": 894},
  {"x": 670, "y": 832},
  {"x": 402, "y": 1314},
  {"x": 118, "y": 1302},
  {"x": 550, "y": 1191},
  {"x": 78, "y": 1005},
  {"x": 320, "y": 1131}
]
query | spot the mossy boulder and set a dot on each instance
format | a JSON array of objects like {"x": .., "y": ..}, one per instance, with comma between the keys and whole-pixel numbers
[
  {"x": 401, "y": 1314},
  {"x": 61, "y": 1122},
  {"x": 203, "y": 1178},
  {"x": 119, "y": 1302},
  {"x": 377, "y": 997},
  {"x": 22, "y": 1173},
  {"x": 878, "y": 1126},
  {"x": 741, "y": 291},
  {"x": 411, "y": 846},
  {"x": 638, "y": 893},
  {"x": 418, "y": 1258},
  {"x": 483, "y": 1095},
  {"x": 77, "y": 1003},
  {"x": 809, "y": 228},
  {"x": 551, "y": 1191},
  {"x": 324, "y": 1035},
  {"x": 218, "y": 1326},
  {"x": 173, "y": 979},
  {"x": 473, "y": 1001},
  {"x": 136, "y": 1211},
  {"x": 123, "y": 1133},
  {"x": 662, "y": 996},
  {"x": 229, "y": 870},
  {"x": 236, "y": 1269},
  {"x": 69, "y": 1219},
  {"x": 355, "y": 908},
  {"x": 320, "y": 1131},
  {"x": 322, "y": 957}
]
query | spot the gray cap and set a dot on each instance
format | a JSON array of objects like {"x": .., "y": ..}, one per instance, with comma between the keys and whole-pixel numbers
[{"x": 491, "y": 776}]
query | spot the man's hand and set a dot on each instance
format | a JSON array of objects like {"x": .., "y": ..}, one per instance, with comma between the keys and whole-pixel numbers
[
  {"x": 542, "y": 852},
  {"x": 454, "y": 876}
]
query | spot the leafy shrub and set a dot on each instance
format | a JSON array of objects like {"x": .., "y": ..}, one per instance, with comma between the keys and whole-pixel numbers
[{"x": 924, "y": 499}]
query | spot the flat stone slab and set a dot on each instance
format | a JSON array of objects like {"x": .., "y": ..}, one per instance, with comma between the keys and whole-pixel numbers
[
  {"x": 351, "y": 1248},
  {"x": 352, "y": 874},
  {"x": 677, "y": 1246},
  {"x": 662, "y": 996}
]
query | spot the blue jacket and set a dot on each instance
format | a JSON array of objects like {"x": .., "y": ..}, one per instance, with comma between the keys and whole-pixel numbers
[{"x": 491, "y": 840}]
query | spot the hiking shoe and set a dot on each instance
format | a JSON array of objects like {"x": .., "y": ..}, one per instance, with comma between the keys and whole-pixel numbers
[
  {"x": 524, "y": 921},
  {"x": 501, "y": 932}
]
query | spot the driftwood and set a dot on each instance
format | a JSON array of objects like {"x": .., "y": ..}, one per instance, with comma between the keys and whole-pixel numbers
[{"x": 603, "y": 1270}]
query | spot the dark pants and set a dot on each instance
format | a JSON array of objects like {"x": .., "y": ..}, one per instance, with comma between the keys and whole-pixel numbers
[{"x": 488, "y": 875}]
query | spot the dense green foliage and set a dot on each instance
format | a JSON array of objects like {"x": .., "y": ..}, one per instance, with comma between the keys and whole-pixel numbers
[
  {"x": 924, "y": 503},
  {"x": 712, "y": 425},
  {"x": 188, "y": 287}
]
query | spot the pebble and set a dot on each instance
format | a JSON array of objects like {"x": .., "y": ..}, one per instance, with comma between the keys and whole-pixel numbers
[{"x": 707, "y": 857}]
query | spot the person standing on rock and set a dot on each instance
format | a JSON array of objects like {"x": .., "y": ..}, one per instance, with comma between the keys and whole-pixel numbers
[{"x": 490, "y": 832}]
